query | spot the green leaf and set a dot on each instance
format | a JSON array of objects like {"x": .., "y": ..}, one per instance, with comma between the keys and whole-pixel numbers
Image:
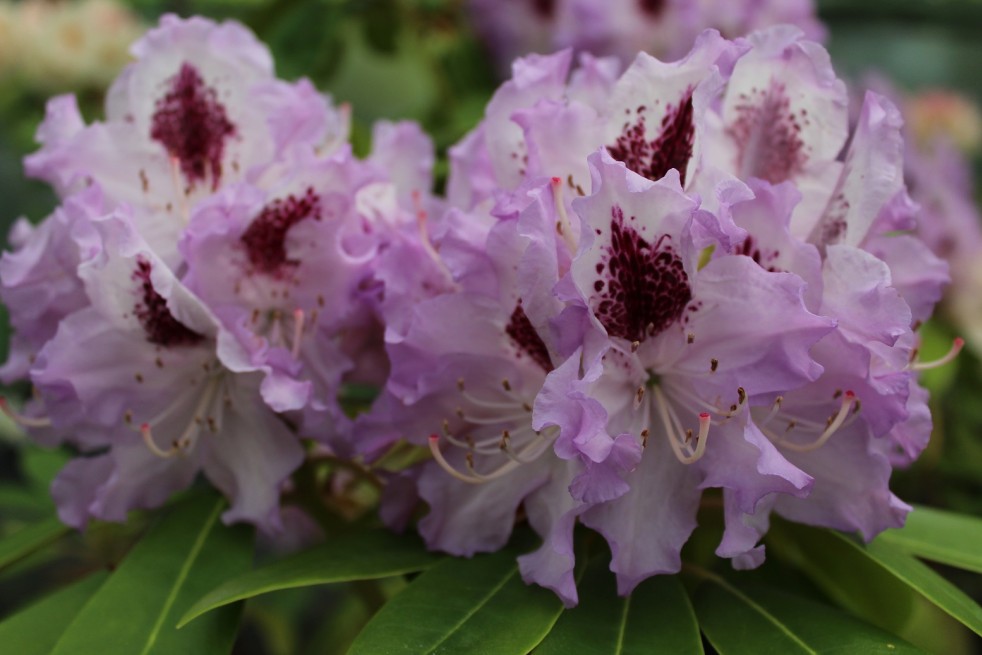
[
  {"x": 35, "y": 630},
  {"x": 358, "y": 556},
  {"x": 926, "y": 582},
  {"x": 29, "y": 540},
  {"x": 767, "y": 621},
  {"x": 41, "y": 465},
  {"x": 182, "y": 556},
  {"x": 656, "y": 618},
  {"x": 847, "y": 576},
  {"x": 857, "y": 564},
  {"x": 477, "y": 605},
  {"x": 940, "y": 536}
]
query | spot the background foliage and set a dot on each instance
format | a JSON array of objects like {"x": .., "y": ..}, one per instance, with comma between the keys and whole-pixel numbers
[{"x": 125, "y": 588}]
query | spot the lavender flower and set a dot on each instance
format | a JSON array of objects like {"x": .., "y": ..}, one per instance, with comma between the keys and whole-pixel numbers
[
  {"x": 621, "y": 28},
  {"x": 187, "y": 309},
  {"x": 738, "y": 311}
]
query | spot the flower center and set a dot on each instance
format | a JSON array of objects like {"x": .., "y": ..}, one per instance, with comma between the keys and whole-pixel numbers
[
  {"x": 768, "y": 135},
  {"x": 644, "y": 287},
  {"x": 764, "y": 258},
  {"x": 193, "y": 126},
  {"x": 653, "y": 8},
  {"x": 265, "y": 238},
  {"x": 672, "y": 148},
  {"x": 544, "y": 8},
  {"x": 688, "y": 446},
  {"x": 159, "y": 324},
  {"x": 527, "y": 340}
]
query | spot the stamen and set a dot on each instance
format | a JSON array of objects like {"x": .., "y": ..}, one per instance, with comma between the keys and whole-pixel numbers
[
  {"x": 20, "y": 419},
  {"x": 474, "y": 477},
  {"x": 564, "y": 227},
  {"x": 152, "y": 445},
  {"x": 490, "y": 404},
  {"x": 298, "y": 319},
  {"x": 182, "y": 198},
  {"x": 775, "y": 408},
  {"x": 490, "y": 420},
  {"x": 956, "y": 347},
  {"x": 835, "y": 422},
  {"x": 185, "y": 444},
  {"x": 678, "y": 444},
  {"x": 424, "y": 234}
]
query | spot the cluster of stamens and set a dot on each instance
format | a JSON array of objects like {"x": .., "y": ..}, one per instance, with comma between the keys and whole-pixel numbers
[
  {"x": 512, "y": 411},
  {"x": 207, "y": 416},
  {"x": 848, "y": 411},
  {"x": 274, "y": 326},
  {"x": 687, "y": 444}
]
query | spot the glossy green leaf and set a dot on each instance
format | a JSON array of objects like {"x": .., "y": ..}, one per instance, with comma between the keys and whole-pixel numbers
[
  {"x": 478, "y": 605},
  {"x": 946, "y": 537},
  {"x": 358, "y": 556},
  {"x": 135, "y": 612},
  {"x": 847, "y": 576},
  {"x": 767, "y": 621},
  {"x": 29, "y": 540},
  {"x": 656, "y": 618},
  {"x": 844, "y": 567},
  {"x": 926, "y": 582},
  {"x": 36, "y": 629}
]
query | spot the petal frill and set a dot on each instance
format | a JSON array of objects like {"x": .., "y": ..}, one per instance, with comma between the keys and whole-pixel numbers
[
  {"x": 552, "y": 512},
  {"x": 915, "y": 271},
  {"x": 533, "y": 78},
  {"x": 753, "y": 323},
  {"x": 647, "y": 527},
  {"x": 250, "y": 457},
  {"x": 139, "y": 480},
  {"x": 75, "y": 487},
  {"x": 744, "y": 530},
  {"x": 465, "y": 518},
  {"x": 871, "y": 177},
  {"x": 741, "y": 460},
  {"x": 851, "y": 489},
  {"x": 566, "y": 401}
]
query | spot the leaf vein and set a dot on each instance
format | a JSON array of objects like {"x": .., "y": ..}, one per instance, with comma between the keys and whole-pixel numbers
[
  {"x": 477, "y": 606},
  {"x": 182, "y": 575},
  {"x": 623, "y": 627}
]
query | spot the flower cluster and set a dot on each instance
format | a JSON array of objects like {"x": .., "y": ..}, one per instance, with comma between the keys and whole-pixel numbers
[
  {"x": 620, "y": 28},
  {"x": 190, "y": 304},
  {"x": 693, "y": 277},
  {"x": 640, "y": 286}
]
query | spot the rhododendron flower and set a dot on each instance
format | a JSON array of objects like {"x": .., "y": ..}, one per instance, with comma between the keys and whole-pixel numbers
[
  {"x": 198, "y": 109},
  {"x": 147, "y": 370},
  {"x": 621, "y": 28},
  {"x": 745, "y": 308},
  {"x": 188, "y": 308}
]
